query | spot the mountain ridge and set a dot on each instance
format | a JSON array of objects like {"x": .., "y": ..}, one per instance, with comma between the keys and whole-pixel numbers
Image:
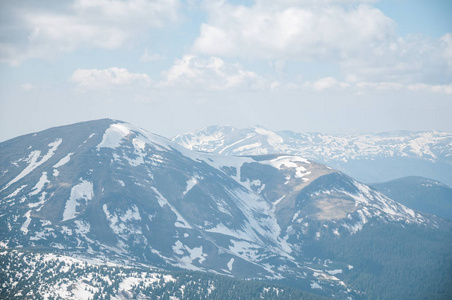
[
  {"x": 419, "y": 193},
  {"x": 368, "y": 157},
  {"x": 109, "y": 190}
]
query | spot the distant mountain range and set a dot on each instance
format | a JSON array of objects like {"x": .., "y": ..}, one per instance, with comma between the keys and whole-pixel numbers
[
  {"x": 106, "y": 190},
  {"x": 374, "y": 157}
]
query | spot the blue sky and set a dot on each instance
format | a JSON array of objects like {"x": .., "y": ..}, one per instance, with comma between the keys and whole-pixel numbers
[{"x": 335, "y": 66}]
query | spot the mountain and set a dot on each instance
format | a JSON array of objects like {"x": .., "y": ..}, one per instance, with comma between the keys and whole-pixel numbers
[
  {"x": 419, "y": 193},
  {"x": 374, "y": 157},
  {"x": 106, "y": 190}
]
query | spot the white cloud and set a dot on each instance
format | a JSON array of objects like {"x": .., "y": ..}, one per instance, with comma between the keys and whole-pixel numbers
[
  {"x": 213, "y": 73},
  {"x": 325, "y": 84},
  {"x": 147, "y": 57},
  {"x": 93, "y": 79},
  {"x": 330, "y": 83},
  {"x": 413, "y": 59},
  {"x": 444, "y": 89},
  {"x": 360, "y": 38},
  {"x": 446, "y": 41},
  {"x": 106, "y": 24},
  {"x": 296, "y": 32}
]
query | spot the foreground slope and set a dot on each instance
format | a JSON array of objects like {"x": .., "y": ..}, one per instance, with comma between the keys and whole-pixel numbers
[
  {"x": 109, "y": 190},
  {"x": 55, "y": 276},
  {"x": 373, "y": 157}
]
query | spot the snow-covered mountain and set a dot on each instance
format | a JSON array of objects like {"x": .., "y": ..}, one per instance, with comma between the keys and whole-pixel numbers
[
  {"x": 370, "y": 157},
  {"x": 109, "y": 190}
]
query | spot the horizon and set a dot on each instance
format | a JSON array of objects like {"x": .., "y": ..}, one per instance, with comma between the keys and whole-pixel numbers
[{"x": 237, "y": 128}]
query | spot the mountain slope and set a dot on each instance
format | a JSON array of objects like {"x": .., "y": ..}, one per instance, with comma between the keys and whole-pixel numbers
[
  {"x": 369, "y": 158},
  {"x": 422, "y": 194},
  {"x": 53, "y": 276},
  {"x": 108, "y": 190}
]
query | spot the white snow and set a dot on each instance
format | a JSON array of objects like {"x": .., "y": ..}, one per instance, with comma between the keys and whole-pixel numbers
[
  {"x": 222, "y": 206},
  {"x": 186, "y": 261},
  {"x": 272, "y": 138},
  {"x": 247, "y": 251},
  {"x": 63, "y": 161},
  {"x": 222, "y": 229},
  {"x": 315, "y": 285},
  {"x": 334, "y": 272},
  {"x": 14, "y": 194},
  {"x": 24, "y": 227},
  {"x": 38, "y": 187},
  {"x": 113, "y": 136},
  {"x": 426, "y": 145},
  {"x": 131, "y": 214},
  {"x": 230, "y": 263},
  {"x": 42, "y": 199},
  {"x": 190, "y": 184},
  {"x": 82, "y": 227},
  {"x": 292, "y": 162},
  {"x": 336, "y": 232},
  {"x": 379, "y": 203},
  {"x": 33, "y": 162},
  {"x": 139, "y": 150},
  {"x": 118, "y": 222},
  {"x": 83, "y": 190},
  {"x": 243, "y": 148},
  {"x": 178, "y": 247}
]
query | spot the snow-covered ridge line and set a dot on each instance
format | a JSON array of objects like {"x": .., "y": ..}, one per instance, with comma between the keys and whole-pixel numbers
[{"x": 431, "y": 145}]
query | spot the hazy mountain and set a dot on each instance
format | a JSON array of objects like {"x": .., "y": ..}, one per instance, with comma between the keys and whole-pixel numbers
[
  {"x": 422, "y": 194},
  {"x": 374, "y": 157},
  {"x": 108, "y": 190}
]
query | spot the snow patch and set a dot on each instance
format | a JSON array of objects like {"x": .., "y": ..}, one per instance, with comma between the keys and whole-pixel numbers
[
  {"x": 131, "y": 214},
  {"x": 315, "y": 285},
  {"x": 292, "y": 162},
  {"x": 63, "y": 161},
  {"x": 230, "y": 263},
  {"x": 82, "y": 191},
  {"x": 24, "y": 227},
  {"x": 334, "y": 272},
  {"x": 14, "y": 194},
  {"x": 192, "y": 254},
  {"x": 190, "y": 184},
  {"x": 113, "y": 136},
  {"x": 38, "y": 187}
]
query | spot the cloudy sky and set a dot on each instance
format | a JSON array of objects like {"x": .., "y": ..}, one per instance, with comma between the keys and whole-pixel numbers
[{"x": 170, "y": 66}]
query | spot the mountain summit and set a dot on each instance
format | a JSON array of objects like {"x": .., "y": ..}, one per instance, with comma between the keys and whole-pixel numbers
[{"x": 109, "y": 190}]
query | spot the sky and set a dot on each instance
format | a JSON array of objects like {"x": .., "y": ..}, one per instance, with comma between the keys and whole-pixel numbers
[{"x": 172, "y": 66}]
